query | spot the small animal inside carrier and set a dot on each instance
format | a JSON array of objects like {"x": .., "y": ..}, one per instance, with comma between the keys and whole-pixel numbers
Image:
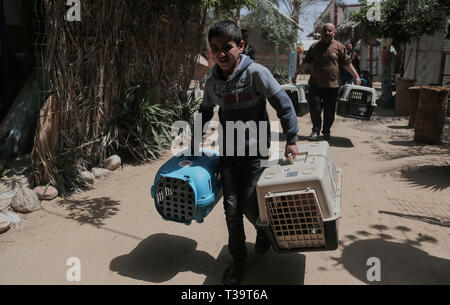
[
  {"x": 300, "y": 201},
  {"x": 188, "y": 188},
  {"x": 356, "y": 102},
  {"x": 297, "y": 94}
]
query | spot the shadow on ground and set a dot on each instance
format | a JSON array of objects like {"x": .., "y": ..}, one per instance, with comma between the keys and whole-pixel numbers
[
  {"x": 270, "y": 268},
  {"x": 90, "y": 211},
  {"x": 339, "y": 142},
  {"x": 160, "y": 257},
  {"x": 406, "y": 127},
  {"x": 434, "y": 177},
  {"x": 402, "y": 262},
  {"x": 444, "y": 147},
  {"x": 404, "y": 148}
]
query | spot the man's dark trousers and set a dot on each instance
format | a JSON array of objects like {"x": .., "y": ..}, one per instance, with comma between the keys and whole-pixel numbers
[{"x": 322, "y": 99}]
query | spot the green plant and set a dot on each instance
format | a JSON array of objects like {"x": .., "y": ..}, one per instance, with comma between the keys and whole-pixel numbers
[
  {"x": 186, "y": 106},
  {"x": 226, "y": 9},
  {"x": 275, "y": 27},
  {"x": 403, "y": 20},
  {"x": 5, "y": 173},
  {"x": 153, "y": 44},
  {"x": 144, "y": 124},
  {"x": 281, "y": 74}
]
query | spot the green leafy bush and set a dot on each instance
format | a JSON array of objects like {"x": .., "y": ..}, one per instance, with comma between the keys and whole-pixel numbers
[
  {"x": 281, "y": 74},
  {"x": 275, "y": 28}
]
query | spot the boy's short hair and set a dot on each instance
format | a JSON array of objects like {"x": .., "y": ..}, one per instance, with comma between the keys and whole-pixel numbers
[{"x": 225, "y": 28}]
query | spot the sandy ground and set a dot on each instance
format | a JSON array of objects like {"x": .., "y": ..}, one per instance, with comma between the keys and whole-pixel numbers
[{"x": 396, "y": 207}]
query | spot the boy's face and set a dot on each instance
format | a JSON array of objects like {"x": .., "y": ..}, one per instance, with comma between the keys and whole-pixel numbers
[{"x": 226, "y": 53}]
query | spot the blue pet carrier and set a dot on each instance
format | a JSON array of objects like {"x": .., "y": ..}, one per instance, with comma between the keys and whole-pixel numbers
[{"x": 188, "y": 188}]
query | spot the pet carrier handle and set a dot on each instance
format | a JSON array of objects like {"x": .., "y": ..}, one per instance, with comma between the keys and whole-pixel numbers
[{"x": 291, "y": 159}]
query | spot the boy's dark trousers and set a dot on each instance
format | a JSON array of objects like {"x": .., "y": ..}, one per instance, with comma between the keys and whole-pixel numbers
[
  {"x": 322, "y": 98},
  {"x": 239, "y": 178}
]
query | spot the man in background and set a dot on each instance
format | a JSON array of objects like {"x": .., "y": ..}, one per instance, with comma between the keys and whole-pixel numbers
[
  {"x": 249, "y": 50},
  {"x": 325, "y": 57},
  {"x": 346, "y": 77}
]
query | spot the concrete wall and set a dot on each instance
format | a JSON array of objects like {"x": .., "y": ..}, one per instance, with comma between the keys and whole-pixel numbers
[
  {"x": 265, "y": 51},
  {"x": 427, "y": 61}
]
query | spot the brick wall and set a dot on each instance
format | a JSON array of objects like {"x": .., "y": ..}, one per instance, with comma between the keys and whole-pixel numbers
[{"x": 265, "y": 51}]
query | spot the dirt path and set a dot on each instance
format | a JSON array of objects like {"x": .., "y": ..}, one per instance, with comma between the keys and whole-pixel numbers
[{"x": 396, "y": 207}]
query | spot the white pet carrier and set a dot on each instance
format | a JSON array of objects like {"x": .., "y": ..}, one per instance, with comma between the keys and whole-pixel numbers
[
  {"x": 300, "y": 203},
  {"x": 297, "y": 94},
  {"x": 356, "y": 101}
]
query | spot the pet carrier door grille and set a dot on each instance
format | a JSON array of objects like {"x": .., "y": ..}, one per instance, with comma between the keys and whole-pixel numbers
[
  {"x": 175, "y": 199},
  {"x": 296, "y": 219},
  {"x": 297, "y": 94},
  {"x": 293, "y": 95},
  {"x": 358, "y": 103}
]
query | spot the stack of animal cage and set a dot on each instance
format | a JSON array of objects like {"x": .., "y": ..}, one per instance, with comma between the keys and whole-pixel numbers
[
  {"x": 187, "y": 188},
  {"x": 356, "y": 102},
  {"x": 300, "y": 202},
  {"x": 298, "y": 94}
]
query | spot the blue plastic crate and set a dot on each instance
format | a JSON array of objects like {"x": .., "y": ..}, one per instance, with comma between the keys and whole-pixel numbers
[{"x": 188, "y": 188}]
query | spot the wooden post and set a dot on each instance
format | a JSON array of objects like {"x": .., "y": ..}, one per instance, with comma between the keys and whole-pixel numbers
[
  {"x": 404, "y": 95},
  {"x": 413, "y": 103},
  {"x": 431, "y": 114}
]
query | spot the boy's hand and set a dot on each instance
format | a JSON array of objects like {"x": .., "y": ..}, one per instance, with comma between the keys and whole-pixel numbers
[{"x": 291, "y": 149}]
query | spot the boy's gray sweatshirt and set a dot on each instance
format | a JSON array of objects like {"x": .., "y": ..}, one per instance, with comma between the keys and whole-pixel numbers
[{"x": 242, "y": 97}]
